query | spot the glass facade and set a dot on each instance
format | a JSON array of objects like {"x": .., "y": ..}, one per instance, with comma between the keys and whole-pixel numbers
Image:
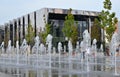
[
  {"x": 82, "y": 25},
  {"x": 57, "y": 23}
]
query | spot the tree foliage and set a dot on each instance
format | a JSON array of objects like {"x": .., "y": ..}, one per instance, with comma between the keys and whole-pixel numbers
[
  {"x": 44, "y": 34},
  {"x": 108, "y": 19},
  {"x": 95, "y": 31},
  {"x": 46, "y": 31},
  {"x": 70, "y": 27},
  {"x": 30, "y": 34},
  {"x": 74, "y": 35},
  {"x": 6, "y": 38}
]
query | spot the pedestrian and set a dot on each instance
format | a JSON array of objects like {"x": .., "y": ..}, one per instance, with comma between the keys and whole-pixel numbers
[{"x": 117, "y": 50}]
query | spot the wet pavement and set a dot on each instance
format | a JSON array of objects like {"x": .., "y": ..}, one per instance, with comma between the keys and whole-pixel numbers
[
  {"x": 5, "y": 75},
  {"x": 75, "y": 67},
  {"x": 99, "y": 74}
]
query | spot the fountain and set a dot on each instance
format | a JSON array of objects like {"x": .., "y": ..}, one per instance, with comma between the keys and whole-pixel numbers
[
  {"x": 82, "y": 49},
  {"x": 85, "y": 48},
  {"x": 101, "y": 48},
  {"x": 8, "y": 51},
  {"x": 36, "y": 45},
  {"x": 54, "y": 50},
  {"x": 42, "y": 49},
  {"x": 114, "y": 43},
  {"x": 113, "y": 46},
  {"x": 70, "y": 52},
  {"x": 64, "y": 49},
  {"x": 49, "y": 42},
  {"x": 94, "y": 48},
  {"x": 59, "y": 47},
  {"x": 70, "y": 48},
  {"x": 42, "y": 60},
  {"x": 87, "y": 58},
  {"x": 59, "y": 51},
  {"x": 23, "y": 47},
  {"x": 85, "y": 43},
  {"x": 17, "y": 55},
  {"x": 86, "y": 39},
  {"x": 77, "y": 47},
  {"x": 2, "y": 47},
  {"x": 17, "y": 50}
]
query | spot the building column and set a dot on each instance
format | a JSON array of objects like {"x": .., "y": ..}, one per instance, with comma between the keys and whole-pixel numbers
[
  {"x": 89, "y": 20},
  {"x": 19, "y": 31},
  {"x": 23, "y": 26},
  {"x": 29, "y": 19},
  {"x": 11, "y": 32},
  {"x": 15, "y": 33},
  {"x": 35, "y": 24}
]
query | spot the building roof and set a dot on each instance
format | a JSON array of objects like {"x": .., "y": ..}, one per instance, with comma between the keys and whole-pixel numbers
[{"x": 65, "y": 11}]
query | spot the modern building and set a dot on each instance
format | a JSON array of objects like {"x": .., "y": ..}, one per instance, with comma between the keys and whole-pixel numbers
[{"x": 16, "y": 28}]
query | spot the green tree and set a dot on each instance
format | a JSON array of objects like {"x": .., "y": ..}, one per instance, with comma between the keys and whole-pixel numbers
[
  {"x": 108, "y": 20},
  {"x": 95, "y": 31},
  {"x": 44, "y": 34},
  {"x": 6, "y": 37},
  {"x": 70, "y": 27},
  {"x": 46, "y": 31},
  {"x": 30, "y": 34},
  {"x": 74, "y": 35}
]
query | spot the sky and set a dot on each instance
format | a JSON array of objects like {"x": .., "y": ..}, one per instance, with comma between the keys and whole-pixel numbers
[{"x": 12, "y": 9}]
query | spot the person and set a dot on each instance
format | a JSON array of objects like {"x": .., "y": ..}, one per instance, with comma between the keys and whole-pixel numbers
[
  {"x": 107, "y": 51},
  {"x": 117, "y": 50}
]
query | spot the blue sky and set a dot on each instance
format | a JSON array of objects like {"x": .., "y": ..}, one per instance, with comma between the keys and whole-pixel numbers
[{"x": 11, "y": 9}]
